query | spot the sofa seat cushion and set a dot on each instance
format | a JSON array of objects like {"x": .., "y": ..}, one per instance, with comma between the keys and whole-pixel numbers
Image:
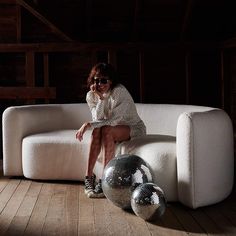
[
  {"x": 159, "y": 152},
  {"x": 58, "y": 155},
  {"x": 55, "y": 155}
]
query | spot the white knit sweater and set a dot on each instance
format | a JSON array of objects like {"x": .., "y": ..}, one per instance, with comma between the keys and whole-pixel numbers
[{"x": 117, "y": 108}]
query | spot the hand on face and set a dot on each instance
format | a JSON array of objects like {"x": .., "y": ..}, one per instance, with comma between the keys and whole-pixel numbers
[
  {"x": 100, "y": 86},
  {"x": 95, "y": 90},
  {"x": 102, "y": 83},
  {"x": 93, "y": 87}
]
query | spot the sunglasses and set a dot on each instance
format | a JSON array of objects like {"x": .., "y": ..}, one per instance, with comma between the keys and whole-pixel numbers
[{"x": 101, "y": 80}]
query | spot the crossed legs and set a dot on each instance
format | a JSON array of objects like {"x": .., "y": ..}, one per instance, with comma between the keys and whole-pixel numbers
[{"x": 105, "y": 136}]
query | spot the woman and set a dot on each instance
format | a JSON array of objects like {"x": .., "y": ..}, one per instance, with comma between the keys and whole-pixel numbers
[{"x": 114, "y": 119}]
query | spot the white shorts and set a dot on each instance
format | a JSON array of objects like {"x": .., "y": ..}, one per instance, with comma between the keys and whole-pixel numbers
[{"x": 137, "y": 130}]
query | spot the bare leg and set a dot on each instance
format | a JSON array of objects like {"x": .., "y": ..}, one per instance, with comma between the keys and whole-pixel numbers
[
  {"x": 106, "y": 136},
  {"x": 111, "y": 135},
  {"x": 95, "y": 148}
]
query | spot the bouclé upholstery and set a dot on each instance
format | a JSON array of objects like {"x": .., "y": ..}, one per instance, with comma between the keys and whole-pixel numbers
[{"x": 188, "y": 148}]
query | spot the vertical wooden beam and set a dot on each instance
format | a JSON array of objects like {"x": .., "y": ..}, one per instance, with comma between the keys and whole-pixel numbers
[
  {"x": 187, "y": 76},
  {"x": 222, "y": 79},
  {"x": 18, "y": 24},
  {"x": 136, "y": 15},
  {"x": 45, "y": 70},
  {"x": 141, "y": 77},
  {"x": 112, "y": 58},
  {"x": 30, "y": 69},
  {"x": 30, "y": 72},
  {"x": 88, "y": 18},
  {"x": 93, "y": 58},
  {"x": 186, "y": 19}
]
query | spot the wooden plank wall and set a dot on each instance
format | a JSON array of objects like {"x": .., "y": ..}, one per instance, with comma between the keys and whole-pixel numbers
[
  {"x": 8, "y": 23},
  {"x": 153, "y": 74}
]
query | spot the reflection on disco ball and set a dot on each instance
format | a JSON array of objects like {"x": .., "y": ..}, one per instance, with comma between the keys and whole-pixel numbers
[
  {"x": 148, "y": 201},
  {"x": 121, "y": 176}
]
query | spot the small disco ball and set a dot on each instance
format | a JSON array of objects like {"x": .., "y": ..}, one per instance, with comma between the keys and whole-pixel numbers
[
  {"x": 148, "y": 201},
  {"x": 121, "y": 176}
]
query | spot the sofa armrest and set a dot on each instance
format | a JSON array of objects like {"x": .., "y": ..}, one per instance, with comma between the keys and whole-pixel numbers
[
  {"x": 205, "y": 157},
  {"x": 20, "y": 121}
]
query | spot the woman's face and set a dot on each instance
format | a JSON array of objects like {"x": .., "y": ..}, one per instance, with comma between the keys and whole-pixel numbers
[{"x": 103, "y": 84}]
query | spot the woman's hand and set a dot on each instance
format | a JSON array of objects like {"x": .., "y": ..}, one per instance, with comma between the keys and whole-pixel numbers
[
  {"x": 93, "y": 88},
  {"x": 81, "y": 131}
]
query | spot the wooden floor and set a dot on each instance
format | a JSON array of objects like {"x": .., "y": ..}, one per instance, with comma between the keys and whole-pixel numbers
[{"x": 61, "y": 208}]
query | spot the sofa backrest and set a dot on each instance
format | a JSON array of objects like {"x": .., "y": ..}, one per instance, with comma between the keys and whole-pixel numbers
[
  {"x": 158, "y": 118},
  {"x": 75, "y": 114},
  {"x": 163, "y": 118}
]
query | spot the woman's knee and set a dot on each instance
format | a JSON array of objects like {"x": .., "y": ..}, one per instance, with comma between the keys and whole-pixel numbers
[
  {"x": 96, "y": 135},
  {"x": 106, "y": 132}
]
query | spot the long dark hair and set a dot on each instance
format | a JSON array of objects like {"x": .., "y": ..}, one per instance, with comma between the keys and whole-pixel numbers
[{"x": 103, "y": 69}]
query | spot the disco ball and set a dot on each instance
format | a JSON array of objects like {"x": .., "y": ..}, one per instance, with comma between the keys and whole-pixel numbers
[
  {"x": 148, "y": 201},
  {"x": 121, "y": 176}
]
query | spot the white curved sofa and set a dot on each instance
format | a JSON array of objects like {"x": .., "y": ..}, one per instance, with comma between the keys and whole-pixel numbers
[{"x": 188, "y": 148}]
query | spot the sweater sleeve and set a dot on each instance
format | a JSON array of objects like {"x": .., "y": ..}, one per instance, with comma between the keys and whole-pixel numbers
[
  {"x": 96, "y": 106},
  {"x": 120, "y": 111}
]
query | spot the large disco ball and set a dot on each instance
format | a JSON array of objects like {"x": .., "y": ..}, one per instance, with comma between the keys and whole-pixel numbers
[
  {"x": 148, "y": 201},
  {"x": 121, "y": 176}
]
